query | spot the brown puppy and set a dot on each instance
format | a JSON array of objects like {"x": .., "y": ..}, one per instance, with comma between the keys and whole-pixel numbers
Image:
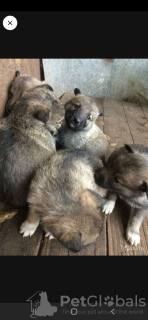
[
  {"x": 22, "y": 84},
  {"x": 64, "y": 195},
  {"x": 18, "y": 86},
  {"x": 25, "y": 142},
  {"x": 126, "y": 175},
  {"x": 79, "y": 129}
]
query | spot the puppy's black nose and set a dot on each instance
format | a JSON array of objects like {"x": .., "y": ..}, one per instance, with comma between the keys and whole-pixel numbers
[
  {"x": 77, "y": 120},
  {"x": 100, "y": 113}
]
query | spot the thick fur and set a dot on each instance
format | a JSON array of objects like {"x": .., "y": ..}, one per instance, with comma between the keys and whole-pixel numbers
[
  {"x": 26, "y": 141},
  {"x": 79, "y": 129},
  {"x": 18, "y": 86},
  {"x": 22, "y": 84},
  {"x": 126, "y": 175},
  {"x": 64, "y": 195}
]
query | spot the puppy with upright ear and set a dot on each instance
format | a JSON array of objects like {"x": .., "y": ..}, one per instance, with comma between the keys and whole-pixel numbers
[
  {"x": 20, "y": 85},
  {"x": 79, "y": 129},
  {"x": 126, "y": 175},
  {"x": 72, "y": 214}
]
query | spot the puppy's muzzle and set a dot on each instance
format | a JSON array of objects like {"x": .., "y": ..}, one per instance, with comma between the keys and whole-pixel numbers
[{"x": 75, "y": 123}]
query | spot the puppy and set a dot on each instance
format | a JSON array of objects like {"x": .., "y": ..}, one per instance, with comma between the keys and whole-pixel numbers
[
  {"x": 126, "y": 175},
  {"x": 64, "y": 195},
  {"x": 79, "y": 129},
  {"x": 22, "y": 84},
  {"x": 26, "y": 141},
  {"x": 18, "y": 86}
]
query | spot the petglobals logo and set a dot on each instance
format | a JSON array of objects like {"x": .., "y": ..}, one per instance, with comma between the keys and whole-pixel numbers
[{"x": 94, "y": 305}]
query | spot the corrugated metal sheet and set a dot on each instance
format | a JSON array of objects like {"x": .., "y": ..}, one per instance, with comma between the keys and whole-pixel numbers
[
  {"x": 7, "y": 72},
  {"x": 117, "y": 79}
]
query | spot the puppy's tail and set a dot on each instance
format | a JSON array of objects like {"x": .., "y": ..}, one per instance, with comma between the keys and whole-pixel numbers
[{"x": 6, "y": 211}]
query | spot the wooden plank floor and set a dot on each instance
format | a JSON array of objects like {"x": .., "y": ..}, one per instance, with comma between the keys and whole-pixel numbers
[{"x": 124, "y": 123}]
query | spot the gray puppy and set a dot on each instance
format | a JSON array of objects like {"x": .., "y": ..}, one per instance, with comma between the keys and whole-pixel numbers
[
  {"x": 126, "y": 175},
  {"x": 79, "y": 129},
  {"x": 64, "y": 195},
  {"x": 22, "y": 84},
  {"x": 25, "y": 142}
]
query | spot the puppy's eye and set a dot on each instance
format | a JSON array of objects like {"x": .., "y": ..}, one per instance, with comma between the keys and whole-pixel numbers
[
  {"x": 116, "y": 179},
  {"x": 89, "y": 117}
]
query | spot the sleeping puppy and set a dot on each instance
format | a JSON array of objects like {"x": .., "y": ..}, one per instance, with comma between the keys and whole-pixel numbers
[
  {"x": 79, "y": 129},
  {"x": 64, "y": 196},
  {"x": 18, "y": 86},
  {"x": 26, "y": 141},
  {"x": 126, "y": 175},
  {"x": 22, "y": 84}
]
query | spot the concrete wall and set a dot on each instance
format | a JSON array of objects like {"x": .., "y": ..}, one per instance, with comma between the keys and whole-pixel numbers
[{"x": 119, "y": 79}]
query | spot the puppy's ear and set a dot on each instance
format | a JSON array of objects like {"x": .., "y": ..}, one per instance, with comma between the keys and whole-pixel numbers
[
  {"x": 44, "y": 86},
  {"x": 144, "y": 188},
  {"x": 65, "y": 231},
  {"x": 77, "y": 91},
  {"x": 17, "y": 74},
  {"x": 50, "y": 88},
  {"x": 129, "y": 148},
  {"x": 42, "y": 115}
]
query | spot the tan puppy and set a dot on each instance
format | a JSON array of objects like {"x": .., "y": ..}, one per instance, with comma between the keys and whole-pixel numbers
[
  {"x": 22, "y": 84},
  {"x": 26, "y": 141},
  {"x": 126, "y": 175},
  {"x": 79, "y": 129},
  {"x": 64, "y": 195}
]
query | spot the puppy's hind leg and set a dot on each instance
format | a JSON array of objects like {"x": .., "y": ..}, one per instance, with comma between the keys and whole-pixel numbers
[{"x": 30, "y": 225}]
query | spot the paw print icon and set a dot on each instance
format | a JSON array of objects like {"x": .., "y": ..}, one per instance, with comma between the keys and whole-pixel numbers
[{"x": 109, "y": 301}]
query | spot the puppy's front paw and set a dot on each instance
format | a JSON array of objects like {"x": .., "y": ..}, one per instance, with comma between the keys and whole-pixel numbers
[
  {"x": 133, "y": 237},
  {"x": 108, "y": 207},
  {"x": 28, "y": 228}
]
